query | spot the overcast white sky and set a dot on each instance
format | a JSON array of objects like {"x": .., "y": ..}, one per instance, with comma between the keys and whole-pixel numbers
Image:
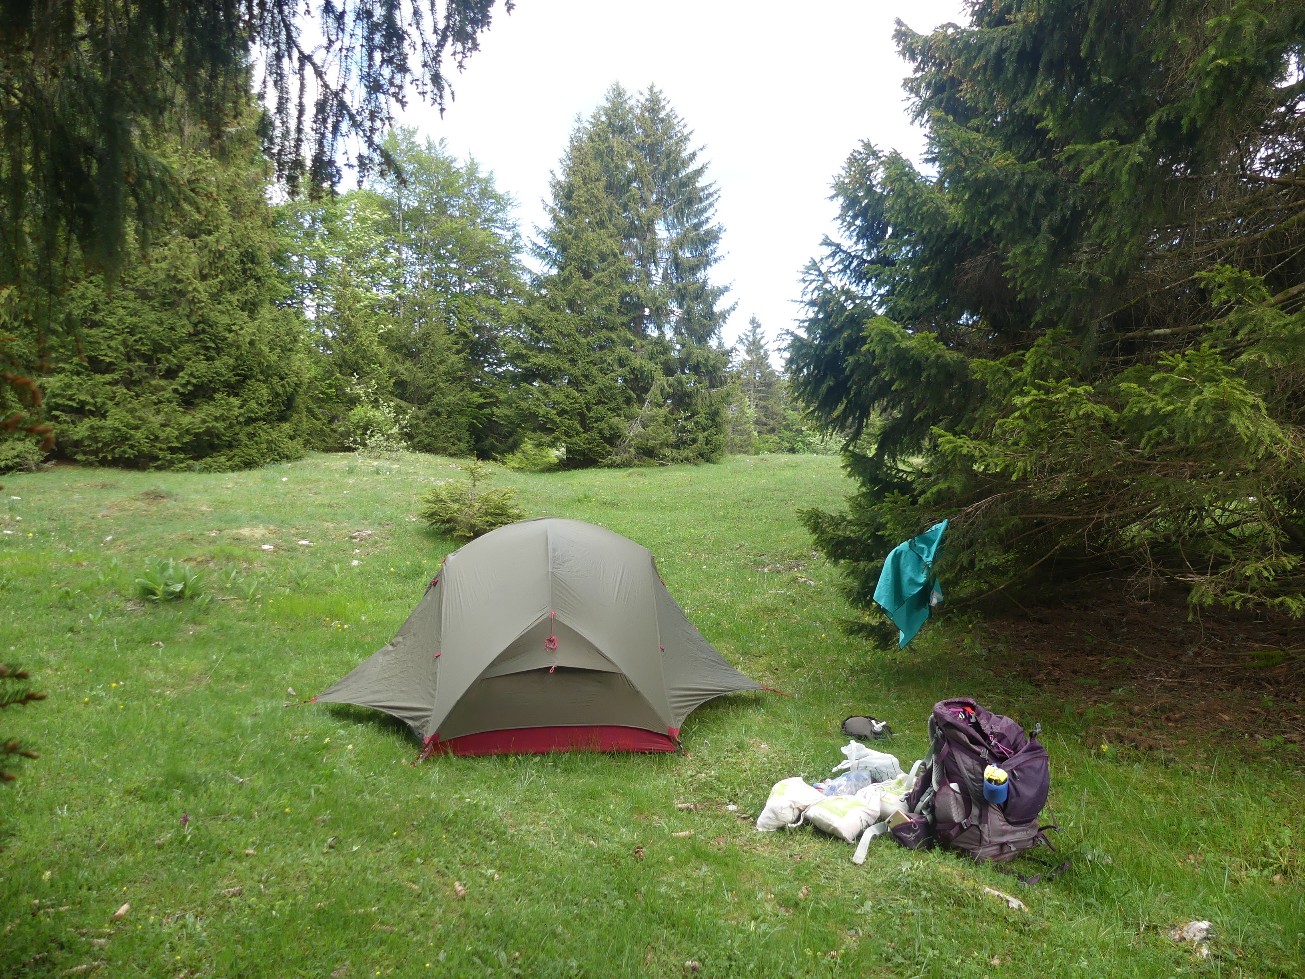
[{"x": 776, "y": 95}]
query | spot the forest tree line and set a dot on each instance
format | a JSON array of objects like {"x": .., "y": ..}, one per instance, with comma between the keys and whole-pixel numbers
[
  {"x": 401, "y": 314},
  {"x": 1076, "y": 329}
]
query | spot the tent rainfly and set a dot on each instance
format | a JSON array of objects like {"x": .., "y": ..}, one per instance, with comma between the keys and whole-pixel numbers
[{"x": 545, "y": 635}]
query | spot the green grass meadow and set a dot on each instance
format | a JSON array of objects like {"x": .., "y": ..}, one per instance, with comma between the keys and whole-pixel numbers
[{"x": 311, "y": 845}]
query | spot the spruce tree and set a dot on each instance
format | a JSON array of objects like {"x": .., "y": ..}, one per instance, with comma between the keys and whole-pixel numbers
[
  {"x": 627, "y": 257},
  {"x": 740, "y": 420},
  {"x": 577, "y": 378},
  {"x": 1080, "y": 337},
  {"x": 676, "y": 246},
  {"x": 761, "y": 386},
  {"x": 191, "y": 358}
]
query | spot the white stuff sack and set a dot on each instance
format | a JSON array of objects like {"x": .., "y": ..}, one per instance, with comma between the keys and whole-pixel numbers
[
  {"x": 844, "y": 816},
  {"x": 890, "y": 794},
  {"x": 788, "y": 799}
]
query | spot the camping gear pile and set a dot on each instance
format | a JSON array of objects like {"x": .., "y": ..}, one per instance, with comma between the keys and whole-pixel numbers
[
  {"x": 979, "y": 791},
  {"x": 870, "y": 789},
  {"x": 871, "y": 786},
  {"x": 545, "y": 635}
]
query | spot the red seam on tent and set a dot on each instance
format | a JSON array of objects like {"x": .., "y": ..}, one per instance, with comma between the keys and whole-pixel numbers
[
  {"x": 550, "y": 643},
  {"x": 437, "y": 654},
  {"x": 545, "y": 740}
]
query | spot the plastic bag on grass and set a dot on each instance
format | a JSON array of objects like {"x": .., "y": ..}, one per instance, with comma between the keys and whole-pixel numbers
[
  {"x": 881, "y": 766},
  {"x": 788, "y": 800},
  {"x": 849, "y": 783}
]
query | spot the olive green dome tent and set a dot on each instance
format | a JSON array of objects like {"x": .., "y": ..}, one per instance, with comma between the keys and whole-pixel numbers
[{"x": 545, "y": 635}]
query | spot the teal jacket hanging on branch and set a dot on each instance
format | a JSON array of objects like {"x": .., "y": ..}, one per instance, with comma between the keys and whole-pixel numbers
[{"x": 907, "y": 588}]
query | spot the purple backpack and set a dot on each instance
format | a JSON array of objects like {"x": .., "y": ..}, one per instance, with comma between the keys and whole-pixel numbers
[{"x": 947, "y": 804}]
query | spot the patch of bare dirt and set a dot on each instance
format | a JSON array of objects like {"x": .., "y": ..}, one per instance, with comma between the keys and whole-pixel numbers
[{"x": 1153, "y": 675}]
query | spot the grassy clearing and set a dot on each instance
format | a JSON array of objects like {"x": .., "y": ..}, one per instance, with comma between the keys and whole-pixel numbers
[{"x": 254, "y": 838}]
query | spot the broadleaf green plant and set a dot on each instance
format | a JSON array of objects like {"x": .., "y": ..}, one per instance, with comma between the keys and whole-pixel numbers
[{"x": 169, "y": 581}]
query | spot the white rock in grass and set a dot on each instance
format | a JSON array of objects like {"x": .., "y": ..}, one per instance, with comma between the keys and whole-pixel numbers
[{"x": 1193, "y": 933}]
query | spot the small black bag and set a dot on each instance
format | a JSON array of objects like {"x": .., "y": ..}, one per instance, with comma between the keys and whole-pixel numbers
[{"x": 865, "y": 728}]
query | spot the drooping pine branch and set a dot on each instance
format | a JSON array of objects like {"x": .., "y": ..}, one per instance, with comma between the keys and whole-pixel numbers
[{"x": 14, "y": 691}]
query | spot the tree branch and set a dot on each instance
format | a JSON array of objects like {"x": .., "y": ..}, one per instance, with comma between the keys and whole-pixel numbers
[
  {"x": 1281, "y": 181},
  {"x": 1286, "y": 294}
]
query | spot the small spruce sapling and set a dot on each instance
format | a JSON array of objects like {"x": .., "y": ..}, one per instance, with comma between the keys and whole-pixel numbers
[{"x": 465, "y": 510}]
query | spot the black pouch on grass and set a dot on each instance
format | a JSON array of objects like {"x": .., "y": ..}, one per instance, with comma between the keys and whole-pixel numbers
[{"x": 865, "y": 728}]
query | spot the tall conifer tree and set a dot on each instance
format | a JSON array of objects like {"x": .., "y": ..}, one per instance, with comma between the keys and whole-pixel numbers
[
  {"x": 760, "y": 384},
  {"x": 1081, "y": 341},
  {"x": 627, "y": 258}
]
